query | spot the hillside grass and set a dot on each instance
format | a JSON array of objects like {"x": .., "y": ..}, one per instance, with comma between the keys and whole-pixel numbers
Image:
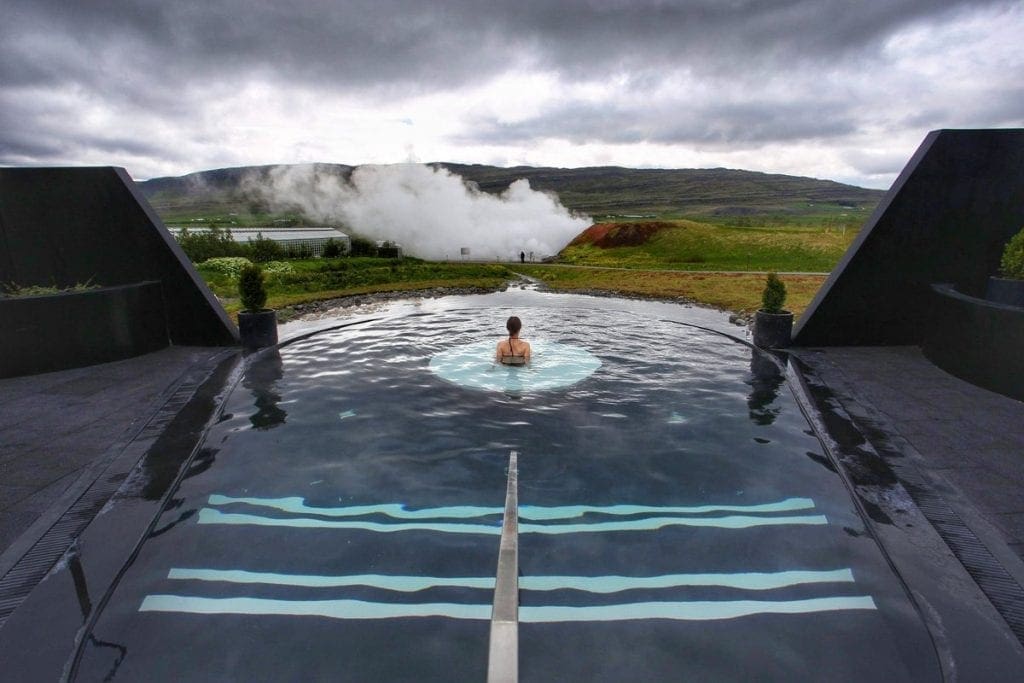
[
  {"x": 684, "y": 261},
  {"x": 738, "y": 292},
  {"x": 319, "y": 279},
  {"x": 695, "y": 246}
]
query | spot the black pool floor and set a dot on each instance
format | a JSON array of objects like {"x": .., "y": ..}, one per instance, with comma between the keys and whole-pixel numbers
[{"x": 69, "y": 439}]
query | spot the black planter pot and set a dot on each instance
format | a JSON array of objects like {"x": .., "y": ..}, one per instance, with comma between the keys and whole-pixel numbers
[
  {"x": 773, "y": 330},
  {"x": 257, "y": 329},
  {"x": 1003, "y": 291}
]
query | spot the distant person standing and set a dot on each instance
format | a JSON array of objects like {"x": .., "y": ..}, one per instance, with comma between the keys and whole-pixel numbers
[{"x": 522, "y": 257}]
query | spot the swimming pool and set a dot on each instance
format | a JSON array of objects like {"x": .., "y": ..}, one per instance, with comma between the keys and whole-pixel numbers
[{"x": 678, "y": 519}]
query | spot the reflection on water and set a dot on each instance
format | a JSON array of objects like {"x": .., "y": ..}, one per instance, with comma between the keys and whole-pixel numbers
[
  {"x": 85, "y": 604},
  {"x": 765, "y": 380},
  {"x": 261, "y": 380}
]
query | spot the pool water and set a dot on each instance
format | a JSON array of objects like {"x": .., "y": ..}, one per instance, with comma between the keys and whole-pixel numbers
[{"x": 678, "y": 518}]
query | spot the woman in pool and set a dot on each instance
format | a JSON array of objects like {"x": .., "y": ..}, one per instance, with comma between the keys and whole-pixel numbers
[{"x": 513, "y": 351}]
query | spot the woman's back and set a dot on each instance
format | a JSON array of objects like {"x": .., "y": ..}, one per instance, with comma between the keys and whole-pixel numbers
[{"x": 513, "y": 351}]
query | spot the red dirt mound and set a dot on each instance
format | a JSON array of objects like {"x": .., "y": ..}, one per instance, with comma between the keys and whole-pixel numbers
[{"x": 605, "y": 235}]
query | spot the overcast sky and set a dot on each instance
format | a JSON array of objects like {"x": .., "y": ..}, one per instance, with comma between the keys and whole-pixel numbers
[{"x": 839, "y": 89}]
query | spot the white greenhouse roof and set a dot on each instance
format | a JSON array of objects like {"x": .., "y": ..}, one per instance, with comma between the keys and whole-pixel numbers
[{"x": 276, "y": 234}]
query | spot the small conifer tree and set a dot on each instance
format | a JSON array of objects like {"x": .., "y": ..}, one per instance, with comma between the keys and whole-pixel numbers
[
  {"x": 773, "y": 298},
  {"x": 250, "y": 288}
]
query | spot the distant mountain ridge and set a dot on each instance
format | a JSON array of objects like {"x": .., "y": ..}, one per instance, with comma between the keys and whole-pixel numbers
[{"x": 599, "y": 190}]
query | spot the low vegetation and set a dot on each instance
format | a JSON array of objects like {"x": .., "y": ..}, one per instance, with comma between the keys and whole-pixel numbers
[
  {"x": 305, "y": 280},
  {"x": 12, "y": 290},
  {"x": 692, "y": 245},
  {"x": 679, "y": 259},
  {"x": 739, "y": 292}
]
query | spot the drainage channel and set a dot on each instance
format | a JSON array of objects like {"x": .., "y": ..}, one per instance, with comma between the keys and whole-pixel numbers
[
  {"x": 503, "y": 656},
  {"x": 32, "y": 556},
  {"x": 1001, "y": 588}
]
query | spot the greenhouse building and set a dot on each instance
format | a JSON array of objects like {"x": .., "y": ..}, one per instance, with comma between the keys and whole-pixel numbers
[{"x": 313, "y": 239}]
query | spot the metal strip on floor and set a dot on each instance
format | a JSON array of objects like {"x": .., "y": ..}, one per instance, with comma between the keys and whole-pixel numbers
[{"x": 503, "y": 657}]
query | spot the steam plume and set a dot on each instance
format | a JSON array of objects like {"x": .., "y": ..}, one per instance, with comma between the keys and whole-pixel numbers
[{"x": 430, "y": 211}]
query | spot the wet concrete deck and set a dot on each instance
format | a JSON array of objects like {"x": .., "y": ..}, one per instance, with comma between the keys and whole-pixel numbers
[
  {"x": 58, "y": 430},
  {"x": 968, "y": 442}
]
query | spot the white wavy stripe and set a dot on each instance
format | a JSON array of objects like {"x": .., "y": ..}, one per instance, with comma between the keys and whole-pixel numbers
[
  {"x": 297, "y": 505},
  {"x": 590, "y": 584},
  {"x": 211, "y": 516},
  {"x": 359, "y": 609}
]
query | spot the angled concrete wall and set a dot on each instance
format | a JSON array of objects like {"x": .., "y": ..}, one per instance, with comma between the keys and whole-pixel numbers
[
  {"x": 945, "y": 219},
  {"x": 62, "y": 226}
]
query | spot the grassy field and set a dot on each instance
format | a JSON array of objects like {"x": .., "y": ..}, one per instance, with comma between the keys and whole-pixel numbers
[
  {"x": 718, "y": 263},
  {"x": 692, "y": 245},
  {"x": 739, "y": 292},
  {"x": 318, "y": 279}
]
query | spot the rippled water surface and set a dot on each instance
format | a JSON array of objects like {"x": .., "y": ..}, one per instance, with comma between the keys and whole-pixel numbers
[{"x": 678, "y": 519}]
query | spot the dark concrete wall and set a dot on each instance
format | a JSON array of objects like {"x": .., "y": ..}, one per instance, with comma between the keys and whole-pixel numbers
[
  {"x": 74, "y": 329},
  {"x": 945, "y": 219},
  {"x": 978, "y": 341},
  {"x": 62, "y": 226}
]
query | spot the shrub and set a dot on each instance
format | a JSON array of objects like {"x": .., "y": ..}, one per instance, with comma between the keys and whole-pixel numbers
[
  {"x": 388, "y": 249},
  {"x": 334, "y": 266},
  {"x": 773, "y": 298},
  {"x": 250, "y": 288},
  {"x": 331, "y": 249},
  {"x": 278, "y": 268},
  {"x": 363, "y": 247},
  {"x": 298, "y": 251},
  {"x": 265, "y": 249},
  {"x": 207, "y": 244},
  {"x": 273, "y": 270},
  {"x": 1011, "y": 266},
  {"x": 231, "y": 266}
]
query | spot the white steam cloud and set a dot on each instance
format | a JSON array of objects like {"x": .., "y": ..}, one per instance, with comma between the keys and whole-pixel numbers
[{"x": 431, "y": 212}]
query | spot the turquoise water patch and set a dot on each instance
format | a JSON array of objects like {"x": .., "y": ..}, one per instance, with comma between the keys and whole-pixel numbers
[{"x": 552, "y": 366}]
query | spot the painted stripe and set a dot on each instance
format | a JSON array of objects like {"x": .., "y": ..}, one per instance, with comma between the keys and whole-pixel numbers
[
  {"x": 298, "y": 505},
  {"x": 405, "y": 584},
  {"x": 654, "y": 523},
  {"x": 590, "y": 584},
  {"x": 747, "y": 581},
  {"x": 358, "y": 609},
  {"x": 335, "y": 609},
  {"x": 692, "y": 611},
  {"x": 211, "y": 516}
]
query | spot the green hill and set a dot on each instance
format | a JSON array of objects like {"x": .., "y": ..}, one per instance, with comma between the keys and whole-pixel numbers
[
  {"x": 693, "y": 245},
  {"x": 723, "y": 196}
]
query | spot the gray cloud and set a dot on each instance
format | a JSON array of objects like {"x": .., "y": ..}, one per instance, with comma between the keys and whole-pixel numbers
[
  {"x": 673, "y": 123},
  {"x": 163, "y": 60},
  {"x": 427, "y": 44}
]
